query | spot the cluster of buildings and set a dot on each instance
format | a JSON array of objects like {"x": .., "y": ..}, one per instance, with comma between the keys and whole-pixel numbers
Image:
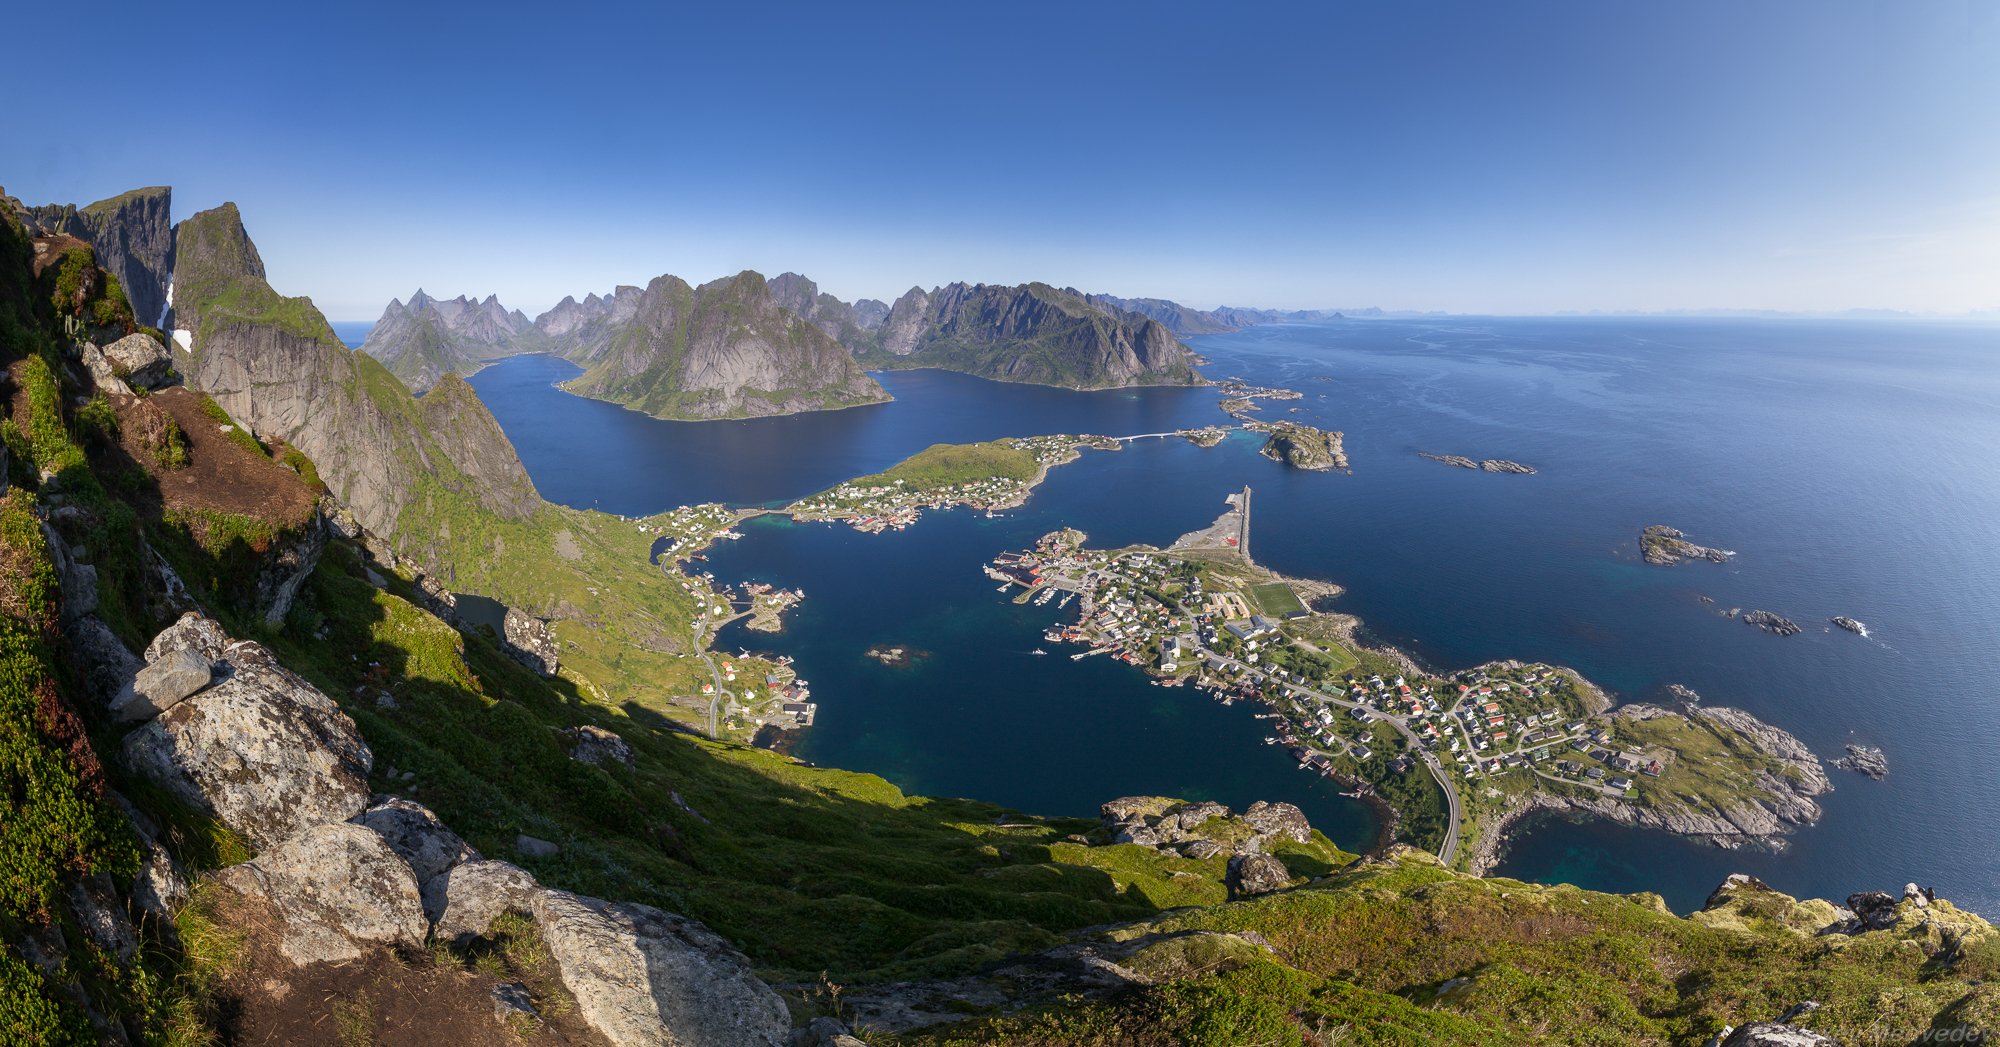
[{"x": 1154, "y": 610}]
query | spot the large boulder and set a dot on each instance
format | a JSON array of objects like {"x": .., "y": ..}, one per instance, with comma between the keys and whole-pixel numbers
[
  {"x": 1278, "y": 821},
  {"x": 1777, "y": 1034},
  {"x": 1254, "y": 874},
  {"x": 417, "y": 835},
  {"x": 193, "y": 632},
  {"x": 530, "y": 642},
  {"x": 466, "y": 899},
  {"x": 140, "y": 360},
  {"x": 597, "y": 746},
  {"x": 646, "y": 978},
  {"x": 262, "y": 749},
  {"x": 338, "y": 889},
  {"x": 161, "y": 685},
  {"x": 102, "y": 374}
]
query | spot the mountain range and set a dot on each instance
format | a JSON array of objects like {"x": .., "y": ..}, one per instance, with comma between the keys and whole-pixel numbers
[{"x": 744, "y": 346}]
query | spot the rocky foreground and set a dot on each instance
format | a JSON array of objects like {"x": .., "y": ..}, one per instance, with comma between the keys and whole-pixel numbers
[{"x": 340, "y": 874}]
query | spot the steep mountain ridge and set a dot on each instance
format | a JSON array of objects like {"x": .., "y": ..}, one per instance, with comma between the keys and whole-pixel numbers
[
  {"x": 1028, "y": 333},
  {"x": 846, "y": 324},
  {"x": 726, "y": 349},
  {"x": 1180, "y": 319},
  {"x": 132, "y": 234},
  {"x": 274, "y": 364},
  {"x": 422, "y": 341}
]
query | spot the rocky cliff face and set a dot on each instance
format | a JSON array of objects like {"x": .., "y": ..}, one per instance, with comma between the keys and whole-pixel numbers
[
  {"x": 134, "y": 239},
  {"x": 275, "y": 365},
  {"x": 726, "y": 349},
  {"x": 850, "y": 325},
  {"x": 582, "y": 331},
  {"x": 1031, "y": 333},
  {"x": 428, "y": 338}
]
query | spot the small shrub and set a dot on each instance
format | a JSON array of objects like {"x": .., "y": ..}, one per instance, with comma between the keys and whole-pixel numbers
[{"x": 97, "y": 422}]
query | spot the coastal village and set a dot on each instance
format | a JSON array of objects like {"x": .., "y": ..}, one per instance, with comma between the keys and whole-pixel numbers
[{"x": 1360, "y": 718}]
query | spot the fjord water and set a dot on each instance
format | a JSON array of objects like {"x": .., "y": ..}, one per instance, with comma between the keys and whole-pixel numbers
[{"x": 1848, "y": 464}]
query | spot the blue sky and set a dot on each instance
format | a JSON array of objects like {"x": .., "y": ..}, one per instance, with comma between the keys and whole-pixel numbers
[{"x": 1480, "y": 157}]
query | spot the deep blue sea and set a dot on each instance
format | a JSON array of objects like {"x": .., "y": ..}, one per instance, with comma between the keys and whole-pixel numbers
[{"x": 1850, "y": 464}]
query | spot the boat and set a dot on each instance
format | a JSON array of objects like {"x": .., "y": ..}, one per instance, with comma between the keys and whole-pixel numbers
[
  {"x": 1002, "y": 589},
  {"x": 1038, "y": 651}
]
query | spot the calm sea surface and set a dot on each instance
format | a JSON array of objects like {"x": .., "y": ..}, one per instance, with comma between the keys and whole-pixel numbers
[{"x": 1850, "y": 464}]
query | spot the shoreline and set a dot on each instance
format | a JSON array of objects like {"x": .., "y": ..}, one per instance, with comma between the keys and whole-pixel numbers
[{"x": 1488, "y": 846}]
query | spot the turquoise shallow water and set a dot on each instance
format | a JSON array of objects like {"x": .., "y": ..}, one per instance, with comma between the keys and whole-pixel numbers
[{"x": 1848, "y": 464}]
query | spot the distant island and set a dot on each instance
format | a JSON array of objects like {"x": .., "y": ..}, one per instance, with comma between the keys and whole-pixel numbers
[
  {"x": 1302, "y": 446},
  {"x": 1491, "y": 465},
  {"x": 1664, "y": 546}
]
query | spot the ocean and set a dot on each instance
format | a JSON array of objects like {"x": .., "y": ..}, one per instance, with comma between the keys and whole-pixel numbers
[{"x": 1848, "y": 463}]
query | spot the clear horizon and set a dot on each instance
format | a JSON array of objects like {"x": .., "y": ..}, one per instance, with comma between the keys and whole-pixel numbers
[{"x": 1564, "y": 157}]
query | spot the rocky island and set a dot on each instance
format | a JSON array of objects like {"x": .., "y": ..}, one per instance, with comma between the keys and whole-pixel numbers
[
  {"x": 1849, "y": 624},
  {"x": 1664, "y": 546},
  {"x": 1864, "y": 759},
  {"x": 1491, "y": 465},
  {"x": 1302, "y": 446},
  {"x": 1771, "y": 622}
]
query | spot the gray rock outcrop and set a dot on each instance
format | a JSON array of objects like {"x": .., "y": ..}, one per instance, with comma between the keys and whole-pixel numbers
[
  {"x": 108, "y": 667},
  {"x": 464, "y": 901},
  {"x": 528, "y": 640},
  {"x": 1274, "y": 821},
  {"x": 261, "y": 748},
  {"x": 338, "y": 890},
  {"x": 416, "y": 834},
  {"x": 192, "y": 632},
  {"x": 1864, "y": 759},
  {"x": 646, "y": 978},
  {"x": 161, "y": 685},
  {"x": 1254, "y": 874},
  {"x": 598, "y": 747},
  {"x": 284, "y": 571},
  {"x": 102, "y": 374},
  {"x": 1775, "y": 624},
  {"x": 132, "y": 236},
  {"x": 140, "y": 360},
  {"x": 1664, "y": 546},
  {"x": 1202, "y": 829}
]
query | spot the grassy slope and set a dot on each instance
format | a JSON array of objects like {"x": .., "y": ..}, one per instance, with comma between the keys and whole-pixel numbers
[
  {"x": 807, "y": 869},
  {"x": 1405, "y": 952},
  {"x": 941, "y": 465}
]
